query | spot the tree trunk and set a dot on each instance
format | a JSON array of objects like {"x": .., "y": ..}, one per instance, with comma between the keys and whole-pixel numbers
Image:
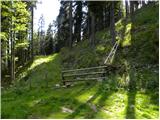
[
  {"x": 112, "y": 22},
  {"x": 78, "y": 18},
  {"x": 12, "y": 57},
  {"x": 89, "y": 23},
  {"x": 92, "y": 37},
  {"x": 32, "y": 14},
  {"x": 127, "y": 10},
  {"x": 104, "y": 17},
  {"x": 136, "y": 5},
  {"x": 143, "y": 3},
  {"x": 70, "y": 24},
  {"x": 12, "y": 51},
  {"x": 131, "y": 7},
  {"x": 120, "y": 12}
]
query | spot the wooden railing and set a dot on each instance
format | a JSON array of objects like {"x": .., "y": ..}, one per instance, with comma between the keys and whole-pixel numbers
[{"x": 110, "y": 57}]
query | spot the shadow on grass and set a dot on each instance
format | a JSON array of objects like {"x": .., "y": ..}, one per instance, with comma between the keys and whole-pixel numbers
[
  {"x": 130, "y": 110},
  {"x": 130, "y": 113},
  {"x": 84, "y": 108},
  {"x": 88, "y": 110}
]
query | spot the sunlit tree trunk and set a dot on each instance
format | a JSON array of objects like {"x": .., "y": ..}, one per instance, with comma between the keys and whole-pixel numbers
[
  {"x": 12, "y": 50},
  {"x": 32, "y": 14}
]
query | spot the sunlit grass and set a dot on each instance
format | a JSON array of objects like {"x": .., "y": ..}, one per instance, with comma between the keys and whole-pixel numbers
[{"x": 42, "y": 59}]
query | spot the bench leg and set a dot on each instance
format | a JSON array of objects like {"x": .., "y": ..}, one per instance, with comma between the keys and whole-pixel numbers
[{"x": 64, "y": 83}]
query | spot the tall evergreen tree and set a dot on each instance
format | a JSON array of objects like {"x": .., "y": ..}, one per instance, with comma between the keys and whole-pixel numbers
[
  {"x": 78, "y": 21},
  {"x": 41, "y": 34},
  {"x": 112, "y": 21}
]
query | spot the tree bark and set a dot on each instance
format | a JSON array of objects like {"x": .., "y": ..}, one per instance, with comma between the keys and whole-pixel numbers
[
  {"x": 78, "y": 19},
  {"x": 89, "y": 23},
  {"x": 112, "y": 22},
  {"x": 143, "y": 3},
  {"x": 32, "y": 14},
  {"x": 136, "y": 5},
  {"x": 70, "y": 24},
  {"x": 12, "y": 57},
  {"x": 12, "y": 51},
  {"x": 92, "y": 37},
  {"x": 131, "y": 7},
  {"x": 127, "y": 10}
]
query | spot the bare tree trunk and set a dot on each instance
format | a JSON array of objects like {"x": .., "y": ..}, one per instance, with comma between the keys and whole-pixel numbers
[
  {"x": 120, "y": 12},
  {"x": 143, "y": 3},
  {"x": 12, "y": 51},
  {"x": 70, "y": 23},
  {"x": 32, "y": 14},
  {"x": 112, "y": 22},
  {"x": 12, "y": 57},
  {"x": 136, "y": 5},
  {"x": 127, "y": 10},
  {"x": 104, "y": 18},
  {"x": 131, "y": 7},
  {"x": 89, "y": 24},
  {"x": 92, "y": 37}
]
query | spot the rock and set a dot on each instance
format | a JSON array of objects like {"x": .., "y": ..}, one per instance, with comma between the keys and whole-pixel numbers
[
  {"x": 132, "y": 106},
  {"x": 66, "y": 110},
  {"x": 93, "y": 107},
  {"x": 57, "y": 85}
]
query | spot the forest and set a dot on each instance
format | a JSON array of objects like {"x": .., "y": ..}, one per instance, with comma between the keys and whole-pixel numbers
[{"x": 97, "y": 60}]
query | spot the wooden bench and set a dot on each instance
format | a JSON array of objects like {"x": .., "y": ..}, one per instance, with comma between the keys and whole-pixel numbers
[{"x": 97, "y": 73}]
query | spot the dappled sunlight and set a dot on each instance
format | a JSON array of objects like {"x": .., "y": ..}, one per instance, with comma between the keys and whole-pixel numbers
[
  {"x": 33, "y": 102},
  {"x": 124, "y": 32},
  {"x": 108, "y": 105},
  {"x": 96, "y": 60},
  {"x": 115, "y": 105},
  {"x": 88, "y": 94},
  {"x": 144, "y": 107}
]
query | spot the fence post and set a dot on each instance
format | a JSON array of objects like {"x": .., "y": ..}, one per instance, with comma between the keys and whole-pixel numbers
[
  {"x": 63, "y": 81},
  {"x": 105, "y": 72}
]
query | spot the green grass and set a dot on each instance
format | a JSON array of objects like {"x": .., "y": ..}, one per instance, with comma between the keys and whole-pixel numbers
[
  {"x": 44, "y": 70},
  {"x": 48, "y": 103}
]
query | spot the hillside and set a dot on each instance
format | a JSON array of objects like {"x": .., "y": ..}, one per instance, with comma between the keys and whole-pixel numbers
[
  {"x": 130, "y": 92},
  {"x": 83, "y": 100}
]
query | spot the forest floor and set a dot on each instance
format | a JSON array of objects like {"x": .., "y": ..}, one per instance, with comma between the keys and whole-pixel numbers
[{"x": 83, "y": 100}]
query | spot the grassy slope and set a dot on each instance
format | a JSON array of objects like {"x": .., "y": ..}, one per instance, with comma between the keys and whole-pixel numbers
[
  {"x": 112, "y": 98},
  {"x": 42, "y": 102}
]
